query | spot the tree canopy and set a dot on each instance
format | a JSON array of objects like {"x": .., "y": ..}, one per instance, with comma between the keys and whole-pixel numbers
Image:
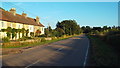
[{"x": 69, "y": 27}]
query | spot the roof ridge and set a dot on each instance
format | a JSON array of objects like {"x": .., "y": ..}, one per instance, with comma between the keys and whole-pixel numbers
[{"x": 7, "y": 16}]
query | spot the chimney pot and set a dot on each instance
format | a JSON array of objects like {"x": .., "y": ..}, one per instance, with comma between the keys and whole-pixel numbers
[
  {"x": 13, "y": 11},
  {"x": 37, "y": 19},
  {"x": 24, "y": 14}
]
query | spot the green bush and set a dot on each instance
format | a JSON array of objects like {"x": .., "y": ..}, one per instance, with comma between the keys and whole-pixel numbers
[
  {"x": 43, "y": 35},
  {"x": 53, "y": 38},
  {"x": 28, "y": 37},
  {"x": 22, "y": 39},
  {"x": 113, "y": 39},
  {"x": 43, "y": 40},
  {"x": 5, "y": 39}
]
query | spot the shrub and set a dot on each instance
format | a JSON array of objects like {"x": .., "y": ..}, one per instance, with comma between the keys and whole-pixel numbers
[
  {"x": 5, "y": 39},
  {"x": 53, "y": 38},
  {"x": 43, "y": 40},
  {"x": 22, "y": 39},
  {"x": 28, "y": 37},
  {"x": 43, "y": 35},
  {"x": 32, "y": 34}
]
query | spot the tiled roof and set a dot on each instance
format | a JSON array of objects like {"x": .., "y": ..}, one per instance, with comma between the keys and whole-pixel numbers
[{"x": 7, "y": 16}]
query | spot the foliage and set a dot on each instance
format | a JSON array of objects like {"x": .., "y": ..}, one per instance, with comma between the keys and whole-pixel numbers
[
  {"x": 59, "y": 32},
  {"x": 102, "y": 54},
  {"x": 37, "y": 33},
  {"x": 86, "y": 29},
  {"x": 27, "y": 31},
  {"x": 23, "y": 32},
  {"x": 22, "y": 39},
  {"x": 43, "y": 40},
  {"x": 9, "y": 31},
  {"x": 19, "y": 31},
  {"x": 5, "y": 39},
  {"x": 70, "y": 27},
  {"x": 14, "y": 31},
  {"x": 3, "y": 30},
  {"x": 46, "y": 32},
  {"x": 31, "y": 44},
  {"x": 32, "y": 34}
]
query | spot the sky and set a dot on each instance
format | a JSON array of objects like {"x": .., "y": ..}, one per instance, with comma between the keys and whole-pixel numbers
[
  {"x": 60, "y": 0},
  {"x": 85, "y": 13}
]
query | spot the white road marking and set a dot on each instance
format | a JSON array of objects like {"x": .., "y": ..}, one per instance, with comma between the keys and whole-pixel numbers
[
  {"x": 32, "y": 63},
  {"x": 86, "y": 55},
  {"x": 60, "y": 49},
  {"x": 39, "y": 59}
]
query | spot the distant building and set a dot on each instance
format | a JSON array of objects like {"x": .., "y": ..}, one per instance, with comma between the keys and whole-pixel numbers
[{"x": 12, "y": 19}]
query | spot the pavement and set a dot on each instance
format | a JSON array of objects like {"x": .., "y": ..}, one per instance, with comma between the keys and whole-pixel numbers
[{"x": 68, "y": 52}]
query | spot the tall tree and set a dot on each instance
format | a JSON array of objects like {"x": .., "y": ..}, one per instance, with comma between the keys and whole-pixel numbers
[{"x": 69, "y": 27}]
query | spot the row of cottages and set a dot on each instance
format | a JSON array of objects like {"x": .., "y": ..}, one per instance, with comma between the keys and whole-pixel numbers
[{"x": 12, "y": 19}]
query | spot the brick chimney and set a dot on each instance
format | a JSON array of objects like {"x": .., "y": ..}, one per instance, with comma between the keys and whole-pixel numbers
[
  {"x": 37, "y": 19},
  {"x": 13, "y": 11},
  {"x": 24, "y": 14}
]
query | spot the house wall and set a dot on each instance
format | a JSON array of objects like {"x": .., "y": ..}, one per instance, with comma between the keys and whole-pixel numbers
[
  {"x": 42, "y": 30},
  {"x": 19, "y": 26},
  {"x": 5, "y": 24},
  {"x": 26, "y": 26}
]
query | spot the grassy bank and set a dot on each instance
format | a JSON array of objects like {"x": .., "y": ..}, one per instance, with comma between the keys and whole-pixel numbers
[
  {"x": 101, "y": 53},
  {"x": 31, "y": 44}
]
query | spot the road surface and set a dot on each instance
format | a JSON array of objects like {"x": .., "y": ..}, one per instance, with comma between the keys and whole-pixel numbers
[{"x": 69, "y": 52}]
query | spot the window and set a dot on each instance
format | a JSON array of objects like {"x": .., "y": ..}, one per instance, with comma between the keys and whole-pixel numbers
[
  {"x": 19, "y": 26},
  {"x": 2, "y": 24},
  {"x": 30, "y": 28},
  {"x": 11, "y": 25}
]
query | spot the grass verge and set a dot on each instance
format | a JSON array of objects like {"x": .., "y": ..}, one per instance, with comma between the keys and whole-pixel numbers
[
  {"x": 32, "y": 44},
  {"x": 101, "y": 53}
]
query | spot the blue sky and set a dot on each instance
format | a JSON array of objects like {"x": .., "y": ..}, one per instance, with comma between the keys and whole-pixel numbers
[
  {"x": 59, "y": 0},
  {"x": 85, "y": 13}
]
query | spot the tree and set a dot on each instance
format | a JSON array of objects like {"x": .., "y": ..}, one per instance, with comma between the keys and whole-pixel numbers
[
  {"x": 14, "y": 31},
  {"x": 27, "y": 31},
  {"x": 105, "y": 27},
  {"x": 32, "y": 34},
  {"x": 59, "y": 32},
  {"x": 86, "y": 29},
  {"x": 69, "y": 27},
  {"x": 9, "y": 31},
  {"x": 46, "y": 32},
  {"x": 19, "y": 31},
  {"x": 23, "y": 32},
  {"x": 50, "y": 29}
]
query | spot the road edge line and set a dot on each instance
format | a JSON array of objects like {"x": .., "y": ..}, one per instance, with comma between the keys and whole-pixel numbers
[{"x": 86, "y": 56}]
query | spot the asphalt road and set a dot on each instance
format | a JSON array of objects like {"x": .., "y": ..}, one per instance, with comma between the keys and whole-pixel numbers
[{"x": 69, "y": 52}]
